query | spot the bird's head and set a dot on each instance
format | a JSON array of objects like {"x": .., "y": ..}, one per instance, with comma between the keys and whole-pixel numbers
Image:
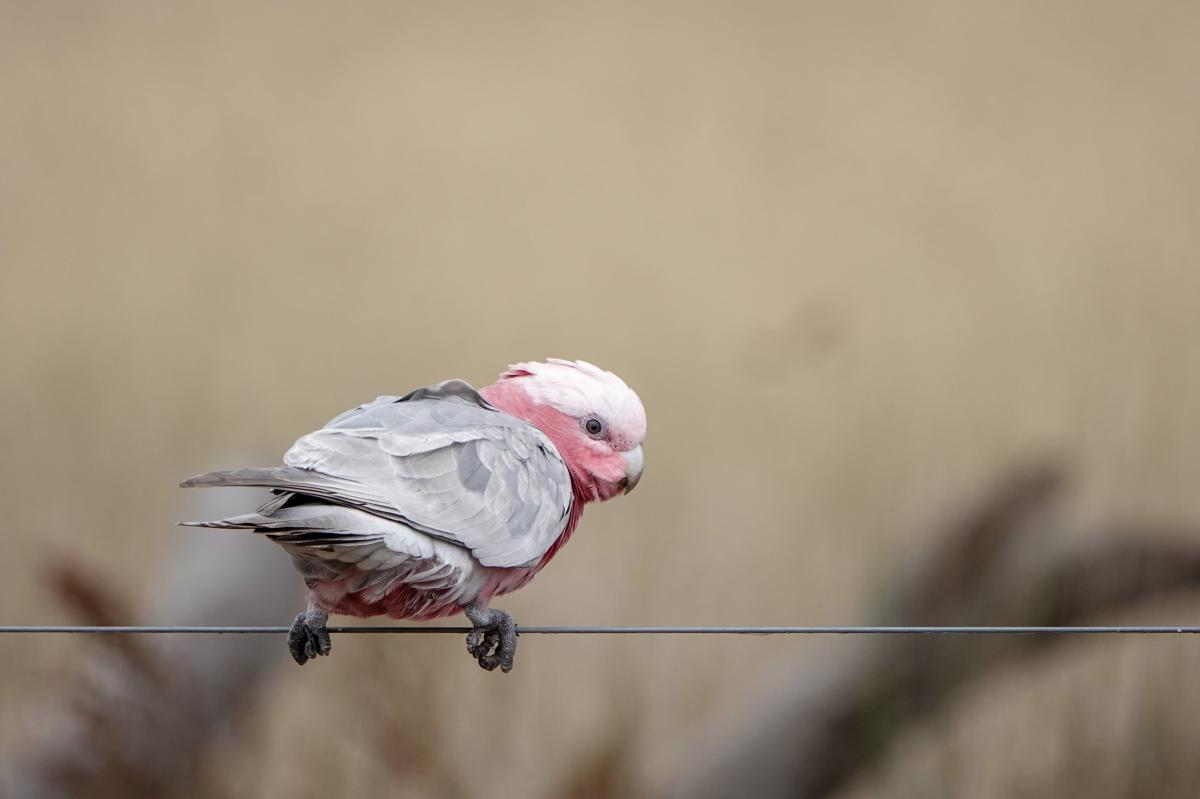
[{"x": 594, "y": 420}]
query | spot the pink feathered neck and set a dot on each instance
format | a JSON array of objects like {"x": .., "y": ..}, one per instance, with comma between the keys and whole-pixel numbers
[{"x": 507, "y": 395}]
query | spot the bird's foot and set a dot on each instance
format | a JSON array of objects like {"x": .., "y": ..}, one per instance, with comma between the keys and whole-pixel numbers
[
  {"x": 309, "y": 636},
  {"x": 493, "y": 638}
]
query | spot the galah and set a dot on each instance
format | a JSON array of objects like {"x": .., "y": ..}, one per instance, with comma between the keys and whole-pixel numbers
[{"x": 422, "y": 506}]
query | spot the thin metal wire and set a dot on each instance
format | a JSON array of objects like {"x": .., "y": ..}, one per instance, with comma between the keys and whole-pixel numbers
[{"x": 1125, "y": 630}]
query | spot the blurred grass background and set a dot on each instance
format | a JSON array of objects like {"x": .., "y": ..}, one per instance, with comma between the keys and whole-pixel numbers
[{"x": 855, "y": 259}]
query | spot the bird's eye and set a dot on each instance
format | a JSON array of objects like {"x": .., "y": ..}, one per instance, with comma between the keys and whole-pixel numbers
[{"x": 594, "y": 427}]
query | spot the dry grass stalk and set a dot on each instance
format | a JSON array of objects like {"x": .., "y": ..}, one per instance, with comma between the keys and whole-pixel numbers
[{"x": 824, "y": 727}]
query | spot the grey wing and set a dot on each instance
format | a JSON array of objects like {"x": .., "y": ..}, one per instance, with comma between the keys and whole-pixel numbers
[{"x": 440, "y": 460}]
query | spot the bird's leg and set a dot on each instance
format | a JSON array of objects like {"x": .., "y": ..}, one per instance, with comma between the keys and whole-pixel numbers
[
  {"x": 308, "y": 636},
  {"x": 493, "y": 637}
]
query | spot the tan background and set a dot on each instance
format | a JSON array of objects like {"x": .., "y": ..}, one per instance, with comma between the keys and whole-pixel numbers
[{"x": 856, "y": 259}]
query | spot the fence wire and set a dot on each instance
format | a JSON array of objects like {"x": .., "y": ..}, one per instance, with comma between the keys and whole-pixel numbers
[{"x": 601, "y": 630}]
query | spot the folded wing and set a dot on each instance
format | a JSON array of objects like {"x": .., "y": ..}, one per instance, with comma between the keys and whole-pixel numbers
[{"x": 440, "y": 461}]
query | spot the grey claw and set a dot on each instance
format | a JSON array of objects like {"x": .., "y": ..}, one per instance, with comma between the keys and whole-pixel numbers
[
  {"x": 298, "y": 640},
  {"x": 308, "y": 636},
  {"x": 323, "y": 642},
  {"x": 493, "y": 638}
]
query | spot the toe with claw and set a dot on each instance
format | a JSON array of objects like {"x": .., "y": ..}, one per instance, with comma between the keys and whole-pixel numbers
[
  {"x": 309, "y": 637},
  {"x": 493, "y": 637}
]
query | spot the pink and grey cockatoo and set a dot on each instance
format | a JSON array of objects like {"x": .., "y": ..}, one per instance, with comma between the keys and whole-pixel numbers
[{"x": 421, "y": 506}]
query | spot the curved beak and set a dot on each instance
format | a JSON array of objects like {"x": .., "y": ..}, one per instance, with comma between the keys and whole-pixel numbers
[{"x": 633, "y": 467}]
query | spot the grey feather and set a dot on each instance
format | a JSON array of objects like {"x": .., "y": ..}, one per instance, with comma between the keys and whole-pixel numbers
[{"x": 439, "y": 461}]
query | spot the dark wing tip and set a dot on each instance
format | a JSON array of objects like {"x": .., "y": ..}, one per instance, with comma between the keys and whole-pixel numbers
[{"x": 203, "y": 480}]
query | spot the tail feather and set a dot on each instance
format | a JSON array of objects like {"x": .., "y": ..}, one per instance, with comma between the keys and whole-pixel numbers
[
  {"x": 303, "y": 526},
  {"x": 247, "y": 521},
  {"x": 269, "y": 477},
  {"x": 314, "y": 530},
  {"x": 336, "y": 490},
  {"x": 288, "y": 478}
]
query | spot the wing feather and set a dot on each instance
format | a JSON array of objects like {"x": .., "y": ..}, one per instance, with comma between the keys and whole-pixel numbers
[{"x": 440, "y": 461}]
